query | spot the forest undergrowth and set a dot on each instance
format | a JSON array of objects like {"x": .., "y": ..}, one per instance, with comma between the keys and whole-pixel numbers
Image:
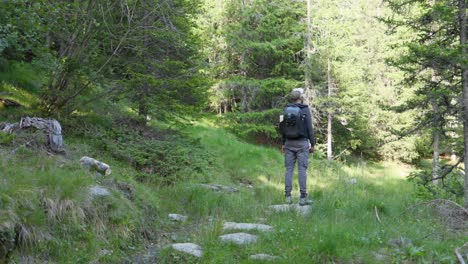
[{"x": 364, "y": 212}]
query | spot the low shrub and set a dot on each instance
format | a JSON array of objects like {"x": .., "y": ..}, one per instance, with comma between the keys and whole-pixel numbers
[{"x": 260, "y": 127}]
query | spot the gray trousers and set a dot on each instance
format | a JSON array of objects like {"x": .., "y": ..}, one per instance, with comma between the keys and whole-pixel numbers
[{"x": 296, "y": 150}]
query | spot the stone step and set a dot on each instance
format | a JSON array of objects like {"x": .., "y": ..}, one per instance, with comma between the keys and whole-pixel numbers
[
  {"x": 239, "y": 238},
  {"x": 302, "y": 210},
  {"x": 263, "y": 257},
  {"x": 188, "y": 248},
  {"x": 219, "y": 188},
  {"x": 177, "y": 217},
  {"x": 246, "y": 226}
]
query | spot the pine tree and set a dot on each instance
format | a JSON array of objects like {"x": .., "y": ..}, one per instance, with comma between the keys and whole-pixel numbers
[{"x": 434, "y": 62}]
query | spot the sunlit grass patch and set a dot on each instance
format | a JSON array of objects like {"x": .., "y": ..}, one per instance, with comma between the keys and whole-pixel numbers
[
  {"x": 358, "y": 208},
  {"x": 24, "y": 97}
]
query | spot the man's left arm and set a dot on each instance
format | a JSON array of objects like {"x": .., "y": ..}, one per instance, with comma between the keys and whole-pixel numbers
[{"x": 310, "y": 130}]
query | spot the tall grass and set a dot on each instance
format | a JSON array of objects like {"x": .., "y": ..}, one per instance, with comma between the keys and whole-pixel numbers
[
  {"x": 45, "y": 202},
  {"x": 350, "y": 222},
  {"x": 46, "y": 198}
]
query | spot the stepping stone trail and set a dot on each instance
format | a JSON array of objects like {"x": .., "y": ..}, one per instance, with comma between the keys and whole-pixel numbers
[{"x": 237, "y": 238}]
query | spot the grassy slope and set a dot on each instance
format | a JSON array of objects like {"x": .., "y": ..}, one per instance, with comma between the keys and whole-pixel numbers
[
  {"x": 343, "y": 225},
  {"x": 71, "y": 229}
]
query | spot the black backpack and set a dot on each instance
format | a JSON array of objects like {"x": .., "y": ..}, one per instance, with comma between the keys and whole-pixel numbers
[{"x": 293, "y": 125}]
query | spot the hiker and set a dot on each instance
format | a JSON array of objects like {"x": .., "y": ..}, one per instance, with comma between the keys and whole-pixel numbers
[{"x": 298, "y": 141}]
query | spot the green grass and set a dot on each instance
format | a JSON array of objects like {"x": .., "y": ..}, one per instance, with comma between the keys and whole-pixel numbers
[
  {"x": 23, "y": 97},
  {"x": 46, "y": 195},
  {"x": 342, "y": 227}
]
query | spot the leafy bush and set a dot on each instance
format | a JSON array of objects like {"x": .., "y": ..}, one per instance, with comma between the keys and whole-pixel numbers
[
  {"x": 6, "y": 138},
  {"x": 162, "y": 161},
  {"x": 160, "y": 156},
  {"x": 262, "y": 127},
  {"x": 402, "y": 150},
  {"x": 450, "y": 187},
  {"x": 21, "y": 75}
]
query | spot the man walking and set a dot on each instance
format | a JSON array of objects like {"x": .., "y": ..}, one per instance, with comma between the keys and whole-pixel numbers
[{"x": 298, "y": 141}]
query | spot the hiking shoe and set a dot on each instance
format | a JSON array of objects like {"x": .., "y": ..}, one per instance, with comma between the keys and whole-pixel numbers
[
  {"x": 289, "y": 200},
  {"x": 305, "y": 201}
]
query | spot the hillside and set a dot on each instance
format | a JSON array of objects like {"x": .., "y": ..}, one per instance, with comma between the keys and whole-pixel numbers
[
  {"x": 170, "y": 115},
  {"x": 363, "y": 212}
]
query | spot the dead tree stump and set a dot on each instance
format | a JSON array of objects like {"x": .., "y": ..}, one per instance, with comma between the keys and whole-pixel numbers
[{"x": 51, "y": 127}]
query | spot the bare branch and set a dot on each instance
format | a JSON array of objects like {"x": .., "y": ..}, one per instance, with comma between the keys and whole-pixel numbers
[
  {"x": 377, "y": 214},
  {"x": 459, "y": 255}
]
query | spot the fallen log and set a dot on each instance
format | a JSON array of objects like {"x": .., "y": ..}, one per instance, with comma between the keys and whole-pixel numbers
[
  {"x": 9, "y": 103},
  {"x": 459, "y": 255},
  {"x": 93, "y": 164},
  {"x": 8, "y": 128}
]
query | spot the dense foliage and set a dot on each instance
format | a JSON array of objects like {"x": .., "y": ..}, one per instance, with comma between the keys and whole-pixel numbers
[
  {"x": 433, "y": 61},
  {"x": 82, "y": 52},
  {"x": 168, "y": 92}
]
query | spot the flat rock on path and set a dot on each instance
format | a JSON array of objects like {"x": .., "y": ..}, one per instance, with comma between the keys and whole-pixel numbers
[
  {"x": 188, "y": 248},
  {"x": 246, "y": 226},
  {"x": 303, "y": 210},
  {"x": 98, "y": 191},
  {"x": 177, "y": 217},
  {"x": 220, "y": 188},
  {"x": 239, "y": 238},
  {"x": 263, "y": 257}
]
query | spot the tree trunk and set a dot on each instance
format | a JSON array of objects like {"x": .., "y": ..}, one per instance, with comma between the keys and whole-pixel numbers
[
  {"x": 244, "y": 99},
  {"x": 330, "y": 116},
  {"x": 462, "y": 17},
  {"x": 308, "y": 49},
  {"x": 309, "y": 93},
  {"x": 436, "y": 134},
  {"x": 143, "y": 106},
  {"x": 143, "y": 112}
]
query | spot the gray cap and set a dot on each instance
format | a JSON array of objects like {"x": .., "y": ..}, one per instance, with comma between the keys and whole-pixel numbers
[{"x": 297, "y": 94}]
